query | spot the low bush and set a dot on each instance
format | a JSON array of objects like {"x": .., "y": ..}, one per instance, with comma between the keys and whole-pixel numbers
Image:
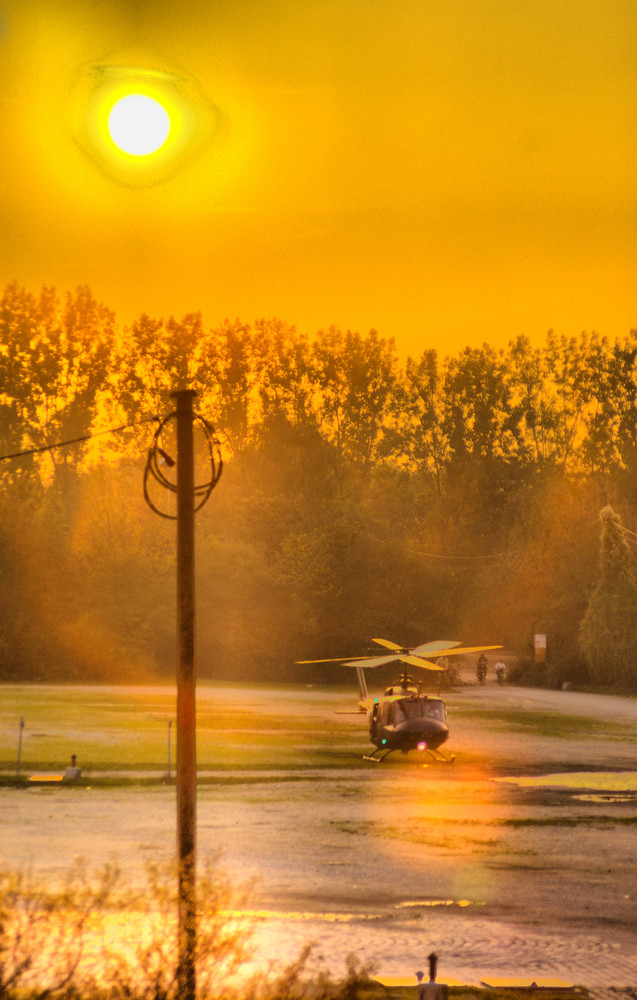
[{"x": 93, "y": 937}]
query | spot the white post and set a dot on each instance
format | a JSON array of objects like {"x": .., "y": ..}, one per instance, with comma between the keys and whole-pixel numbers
[{"x": 19, "y": 748}]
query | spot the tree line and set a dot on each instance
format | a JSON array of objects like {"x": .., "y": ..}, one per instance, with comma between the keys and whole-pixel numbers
[{"x": 439, "y": 496}]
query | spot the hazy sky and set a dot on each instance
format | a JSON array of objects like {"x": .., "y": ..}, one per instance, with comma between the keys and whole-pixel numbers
[{"x": 445, "y": 171}]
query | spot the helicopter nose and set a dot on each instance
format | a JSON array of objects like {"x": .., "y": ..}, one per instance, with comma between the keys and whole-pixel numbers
[{"x": 431, "y": 733}]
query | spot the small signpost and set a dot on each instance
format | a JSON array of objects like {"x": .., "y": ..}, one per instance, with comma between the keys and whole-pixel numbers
[{"x": 539, "y": 645}]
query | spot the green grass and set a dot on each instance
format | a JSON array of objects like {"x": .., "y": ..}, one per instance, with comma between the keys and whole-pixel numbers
[
  {"x": 575, "y": 821},
  {"x": 545, "y": 723},
  {"x": 127, "y": 730},
  {"x": 241, "y": 730}
]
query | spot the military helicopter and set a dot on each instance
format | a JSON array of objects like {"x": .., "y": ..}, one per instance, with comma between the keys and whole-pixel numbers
[{"x": 404, "y": 718}]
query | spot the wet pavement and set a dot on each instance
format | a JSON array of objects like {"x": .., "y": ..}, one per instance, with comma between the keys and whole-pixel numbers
[{"x": 517, "y": 859}]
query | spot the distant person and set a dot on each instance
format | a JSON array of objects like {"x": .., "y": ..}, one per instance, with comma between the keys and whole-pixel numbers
[
  {"x": 500, "y": 670},
  {"x": 481, "y": 669}
]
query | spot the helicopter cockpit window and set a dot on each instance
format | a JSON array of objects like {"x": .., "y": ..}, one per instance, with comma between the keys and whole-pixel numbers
[
  {"x": 410, "y": 708},
  {"x": 435, "y": 709},
  {"x": 414, "y": 708},
  {"x": 397, "y": 712}
]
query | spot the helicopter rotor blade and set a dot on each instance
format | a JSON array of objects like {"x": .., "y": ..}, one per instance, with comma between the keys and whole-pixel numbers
[
  {"x": 429, "y": 650},
  {"x": 415, "y": 661},
  {"x": 336, "y": 659},
  {"x": 388, "y": 645},
  {"x": 371, "y": 661},
  {"x": 458, "y": 651},
  {"x": 434, "y": 647}
]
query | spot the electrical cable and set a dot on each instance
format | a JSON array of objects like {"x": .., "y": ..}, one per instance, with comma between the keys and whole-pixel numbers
[
  {"x": 438, "y": 555},
  {"x": 202, "y": 491},
  {"x": 77, "y": 440}
]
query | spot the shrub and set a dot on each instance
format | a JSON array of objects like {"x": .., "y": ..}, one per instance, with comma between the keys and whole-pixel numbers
[{"x": 95, "y": 938}]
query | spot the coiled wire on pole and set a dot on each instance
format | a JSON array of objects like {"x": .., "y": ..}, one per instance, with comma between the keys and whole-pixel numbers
[{"x": 153, "y": 469}]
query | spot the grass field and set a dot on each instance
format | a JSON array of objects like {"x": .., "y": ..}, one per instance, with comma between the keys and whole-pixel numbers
[
  {"x": 239, "y": 728},
  {"x": 127, "y": 729},
  {"x": 545, "y": 723}
]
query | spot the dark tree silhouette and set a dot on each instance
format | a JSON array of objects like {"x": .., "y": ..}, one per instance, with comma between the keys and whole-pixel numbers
[{"x": 608, "y": 634}]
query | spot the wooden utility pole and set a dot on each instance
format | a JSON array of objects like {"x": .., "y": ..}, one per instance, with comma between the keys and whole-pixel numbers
[
  {"x": 190, "y": 499},
  {"x": 186, "y": 752}
]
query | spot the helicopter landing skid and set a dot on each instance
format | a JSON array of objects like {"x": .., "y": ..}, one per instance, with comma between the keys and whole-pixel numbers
[
  {"x": 377, "y": 760},
  {"x": 441, "y": 757},
  {"x": 436, "y": 755}
]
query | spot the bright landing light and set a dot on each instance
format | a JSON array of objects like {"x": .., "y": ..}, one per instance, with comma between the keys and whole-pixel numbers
[{"x": 138, "y": 125}]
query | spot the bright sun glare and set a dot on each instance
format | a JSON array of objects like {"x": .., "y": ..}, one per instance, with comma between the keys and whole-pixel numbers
[{"x": 138, "y": 125}]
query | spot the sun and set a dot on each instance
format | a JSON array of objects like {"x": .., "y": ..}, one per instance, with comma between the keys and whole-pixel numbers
[{"x": 138, "y": 125}]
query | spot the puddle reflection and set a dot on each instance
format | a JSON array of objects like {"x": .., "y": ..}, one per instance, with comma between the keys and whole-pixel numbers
[
  {"x": 435, "y": 902},
  {"x": 605, "y": 781}
]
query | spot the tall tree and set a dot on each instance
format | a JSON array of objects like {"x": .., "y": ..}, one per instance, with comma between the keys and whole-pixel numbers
[
  {"x": 479, "y": 417},
  {"x": 622, "y": 386},
  {"x": 608, "y": 633},
  {"x": 416, "y": 436},
  {"x": 286, "y": 379},
  {"x": 583, "y": 405},
  {"x": 54, "y": 363},
  {"x": 356, "y": 376},
  {"x": 225, "y": 372},
  {"x": 528, "y": 374}
]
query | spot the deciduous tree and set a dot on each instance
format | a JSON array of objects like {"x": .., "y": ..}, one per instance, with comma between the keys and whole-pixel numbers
[
  {"x": 608, "y": 633},
  {"x": 355, "y": 378}
]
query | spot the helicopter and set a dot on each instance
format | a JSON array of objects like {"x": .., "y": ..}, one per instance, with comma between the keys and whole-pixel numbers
[{"x": 404, "y": 718}]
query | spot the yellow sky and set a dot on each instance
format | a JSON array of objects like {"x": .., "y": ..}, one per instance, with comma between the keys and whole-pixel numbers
[{"x": 445, "y": 171}]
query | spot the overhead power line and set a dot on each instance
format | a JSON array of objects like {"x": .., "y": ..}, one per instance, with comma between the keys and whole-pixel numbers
[
  {"x": 77, "y": 440},
  {"x": 439, "y": 555},
  {"x": 628, "y": 535}
]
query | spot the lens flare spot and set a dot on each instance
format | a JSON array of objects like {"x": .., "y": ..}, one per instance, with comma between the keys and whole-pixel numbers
[
  {"x": 421, "y": 746},
  {"x": 138, "y": 125},
  {"x": 476, "y": 883}
]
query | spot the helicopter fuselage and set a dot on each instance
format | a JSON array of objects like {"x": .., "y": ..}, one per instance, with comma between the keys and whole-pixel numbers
[{"x": 407, "y": 721}]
